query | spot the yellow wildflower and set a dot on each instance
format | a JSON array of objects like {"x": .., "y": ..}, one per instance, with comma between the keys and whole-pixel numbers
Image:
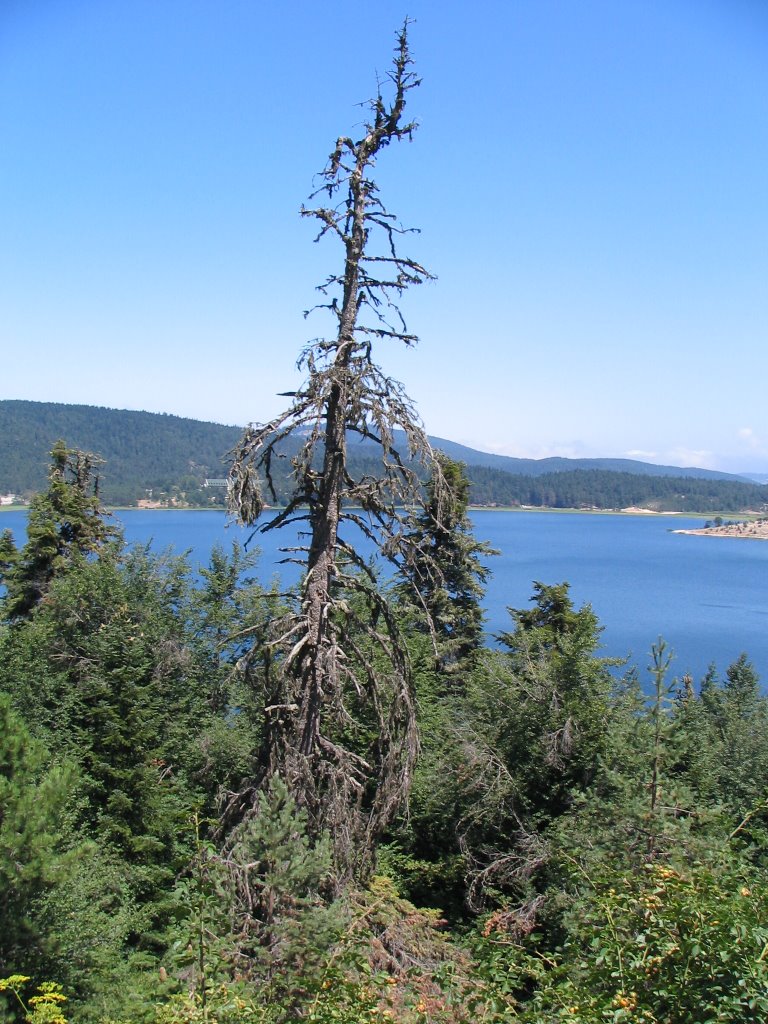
[{"x": 15, "y": 981}]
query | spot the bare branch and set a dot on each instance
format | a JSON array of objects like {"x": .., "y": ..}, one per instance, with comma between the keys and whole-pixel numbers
[{"x": 344, "y": 666}]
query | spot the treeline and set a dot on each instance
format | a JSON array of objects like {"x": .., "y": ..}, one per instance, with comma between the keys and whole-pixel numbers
[
  {"x": 580, "y": 488},
  {"x": 609, "y": 490},
  {"x": 581, "y": 843},
  {"x": 168, "y": 458}
]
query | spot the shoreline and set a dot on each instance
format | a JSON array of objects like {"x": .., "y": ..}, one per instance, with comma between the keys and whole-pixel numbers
[
  {"x": 755, "y": 530},
  {"x": 747, "y": 518}
]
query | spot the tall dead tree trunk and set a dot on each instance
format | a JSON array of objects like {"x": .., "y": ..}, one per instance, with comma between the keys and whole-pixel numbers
[{"x": 343, "y": 731}]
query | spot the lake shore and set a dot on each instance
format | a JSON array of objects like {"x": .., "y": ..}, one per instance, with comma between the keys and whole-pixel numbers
[
  {"x": 629, "y": 511},
  {"x": 755, "y": 530}
]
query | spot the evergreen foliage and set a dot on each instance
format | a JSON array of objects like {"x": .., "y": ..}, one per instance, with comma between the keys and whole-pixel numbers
[
  {"x": 445, "y": 569},
  {"x": 65, "y": 521},
  {"x": 605, "y": 489},
  {"x": 571, "y": 821},
  {"x": 33, "y": 794}
]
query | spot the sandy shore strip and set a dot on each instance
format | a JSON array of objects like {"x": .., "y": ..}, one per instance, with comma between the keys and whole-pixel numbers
[{"x": 756, "y": 530}]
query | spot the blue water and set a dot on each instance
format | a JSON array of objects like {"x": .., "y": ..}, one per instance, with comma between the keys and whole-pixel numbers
[{"x": 707, "y": 597}]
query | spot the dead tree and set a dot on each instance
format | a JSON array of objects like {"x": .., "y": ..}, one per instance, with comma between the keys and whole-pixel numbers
[{"x": 343, "y": 731}]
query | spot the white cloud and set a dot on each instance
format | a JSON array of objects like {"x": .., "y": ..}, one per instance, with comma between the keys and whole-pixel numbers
[
  {"x": 555, "y": 449},
  {"x": 748, "y": 436},
  {"x": 639, "y": 453},
  {"x": 701, "y": 458},
  {"x": 675, "y": 455}
]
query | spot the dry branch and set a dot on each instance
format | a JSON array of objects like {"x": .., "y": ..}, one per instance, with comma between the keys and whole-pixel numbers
[{"x": 342, "y": 731}]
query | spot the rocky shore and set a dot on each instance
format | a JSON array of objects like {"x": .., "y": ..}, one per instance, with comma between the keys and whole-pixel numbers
[{"x": 756, "y": 529}]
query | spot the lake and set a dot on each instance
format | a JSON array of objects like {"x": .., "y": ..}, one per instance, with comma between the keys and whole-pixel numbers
[{"x": 707, "y": 597}]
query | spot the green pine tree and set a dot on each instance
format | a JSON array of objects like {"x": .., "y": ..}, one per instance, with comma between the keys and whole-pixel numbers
[
  {"x": 446, "y": 570},
  {"x": 33, "y": 795},
  {"x": 64, "y": 520}
]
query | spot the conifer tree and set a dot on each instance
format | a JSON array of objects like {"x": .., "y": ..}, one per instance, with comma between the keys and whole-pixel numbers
[
  {"x": 64, "y": 520},
  {"x": 32, "y": 797},
  {"x": 738, "y": 717},
  {"x": 445, "y": 567},
  {"x": 553, "y": 656},
  {"x": 538, "y": 732}
]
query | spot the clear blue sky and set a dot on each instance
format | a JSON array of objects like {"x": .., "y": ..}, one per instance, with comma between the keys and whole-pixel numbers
[{"x": 590, "y": 179}]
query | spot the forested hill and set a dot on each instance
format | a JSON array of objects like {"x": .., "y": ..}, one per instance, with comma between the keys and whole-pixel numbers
[
  {"x": 599, "y": 489},
  {"x": 142, "y": 451},
  {"x": 171, "y": 457}
]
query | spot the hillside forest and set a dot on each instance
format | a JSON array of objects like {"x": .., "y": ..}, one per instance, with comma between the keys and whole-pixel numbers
[
  {"x": 149, "y": 457},
  {"x": 228, "y": 804}
]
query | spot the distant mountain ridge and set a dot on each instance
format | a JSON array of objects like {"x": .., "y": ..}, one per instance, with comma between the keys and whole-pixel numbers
[
  {"x": 150, "y": 454},
  {"x": 538, "y": 467}
]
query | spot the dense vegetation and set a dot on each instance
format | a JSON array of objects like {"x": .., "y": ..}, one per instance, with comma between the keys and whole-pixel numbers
[
  {"x": 595, "y": 843},
  {"x": 609, "y": 490},
  {"x": 168, "y": 458},
  {"x": 143, "y": 452}
]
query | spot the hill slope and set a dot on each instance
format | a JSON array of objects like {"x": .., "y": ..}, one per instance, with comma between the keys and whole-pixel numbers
[
  {"x": 150, "y": 453},
  {"x": 141, "y": 450},
  {"x": 539, "y": 467}
]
